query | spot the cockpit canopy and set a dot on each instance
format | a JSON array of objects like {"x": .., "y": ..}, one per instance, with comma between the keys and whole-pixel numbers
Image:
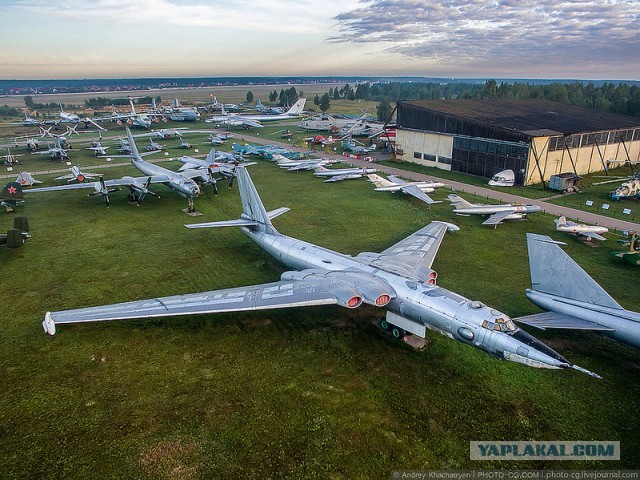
[{"x": 500, "y": 324}]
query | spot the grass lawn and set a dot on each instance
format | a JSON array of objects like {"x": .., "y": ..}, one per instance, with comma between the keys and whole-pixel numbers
[{"x": 297, "y": 393}]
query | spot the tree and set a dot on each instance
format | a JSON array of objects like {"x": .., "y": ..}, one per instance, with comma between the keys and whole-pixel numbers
[
  {"x": 273, "y": 96},
  {"x": 384, "y": 109},
  {"x": 249, "y": 96},
  {"x": 316, "y": 100},
  {"x": 324, "y": 102}
]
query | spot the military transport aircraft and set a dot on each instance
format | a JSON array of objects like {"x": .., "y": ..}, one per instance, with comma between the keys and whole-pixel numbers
[
  {"x": 416, "y": 189},
  {"x": 581, "y": 230},
  {"x": 572, "y": 299},
  {"x": 400, "y": 279},
  {"x": 66, "y": 117},
  {"x": 182, "y": 183},
  {"x": 498, "y": 213}
]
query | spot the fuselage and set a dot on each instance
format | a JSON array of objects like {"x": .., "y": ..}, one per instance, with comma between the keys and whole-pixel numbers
[
  {"x": 427, "y": 187},
  {"x": 179, "y": 183},
  {"x": 417, "y": 305},
  {"x": 625, "y": 324},
  {"x": 344, "y": 171},
  {"x": 576, "y": 228},
  {"x": 518, "y": 210}
]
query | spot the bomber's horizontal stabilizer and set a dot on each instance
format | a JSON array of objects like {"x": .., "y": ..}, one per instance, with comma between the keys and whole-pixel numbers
[
  {"x": 558, "y": 320},
  {"x": 240, "y": 222}
]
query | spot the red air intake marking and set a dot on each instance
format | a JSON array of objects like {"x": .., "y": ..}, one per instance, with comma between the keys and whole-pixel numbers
[{"x": 81, "y": 178}]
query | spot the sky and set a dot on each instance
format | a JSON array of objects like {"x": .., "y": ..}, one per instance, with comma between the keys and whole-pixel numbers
[{"x": 577, "y": 39}]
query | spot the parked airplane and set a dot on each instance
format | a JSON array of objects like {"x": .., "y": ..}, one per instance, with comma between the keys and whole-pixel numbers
[
  {"x": 297, "y": 165},
  {"x": 230, "y": 120},
  {"x": 572, "y": 298},
  {"x": 294, "y": 112},
  {"x": 416, "y": 189},
  {"x": 505, "y": 178},
  {"x": 338, "y": 174},
  {"x": 11, "y": 196},
  {"x": 324, "y": 122},
  {"x": 498, "y": 213},
  {"x": 98, "y": 149},
  {"x": 57, "y": 151},
  {"x": 10, "y": 160},
  {"x": 218, "y": 138},
  {"x": 16, "y": 236},
  {"x": 178, "y": 113},
  {"x": 268, "y": 110},
  {"x": 355, "y": 147},
  {"x": 181, "y": 183},
  {"x": 79, "y": 176},
  {"x": 25, "y": 178},
  {"x": 632, "y": 255},
  {"x": 74, "y": 118},
  {"x": 399, "y": 279},
  {"x": 581, "y": 230},
  {"x": 134, "y": 119}
]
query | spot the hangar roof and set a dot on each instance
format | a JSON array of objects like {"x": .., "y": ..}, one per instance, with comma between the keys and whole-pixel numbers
[{"x": 533, "y": 117}]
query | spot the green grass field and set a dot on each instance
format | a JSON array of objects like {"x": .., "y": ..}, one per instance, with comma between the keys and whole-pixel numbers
[{"x": 299, "y": 393}]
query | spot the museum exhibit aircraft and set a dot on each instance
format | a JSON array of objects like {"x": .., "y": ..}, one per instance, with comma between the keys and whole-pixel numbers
[
  {"x": 587, "y": 232},
  {"x": 181, "y": 183},
  {"x": 10, "y": 160},
  {"x": 133, "y": 118},
  {"x": 324, "y": 122},
  {"x": 231, "y": 120},
  {"x": 25, "y": 178},
  {"x": 298, "y": 165},
  {"x": 497, "y": 213},
  {"x": 78, "y": 175},
  {"x": 66, "y": 117},
  {"x": 339, "y": 174},
  {"x": 416, "y": 189},
  {"x": 571, "y": 298},
  {"x": 399, "y": 279},
  {"x": 268, "y": 110},
  {"x": 16, "y": 236},
  {"x": 11, "y": 196},
  {"x": 295, "y": 111},
  {"x": 632, "y": 254}
]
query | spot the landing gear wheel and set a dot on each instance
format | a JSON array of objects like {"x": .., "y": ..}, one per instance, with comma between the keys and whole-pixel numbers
[
  {"x": 397, "y": 332},
  {"x": 384, "y": 324}
]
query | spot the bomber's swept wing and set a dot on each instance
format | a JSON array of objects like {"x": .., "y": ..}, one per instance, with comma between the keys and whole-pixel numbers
[
  {"x": 413, "y": 255},
  {"x": 593, "y": 235},
  {"x": 118, "y": 182},
  {"x": 498, "y": 217},
  {"x": 559, "y": 320},
  {"x": 395, "y": 179},
  {"x": 325, "y": 290},
  {"x": 419, "y": 194}
]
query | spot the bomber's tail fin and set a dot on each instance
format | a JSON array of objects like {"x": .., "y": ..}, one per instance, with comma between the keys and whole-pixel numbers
[
  {"x": 379, "y": 181},
  {"x": 560, "y": 221},
  {"x": 132, "y": 144},
  {"x": 556, "y": 273},
  {"x": 254, "y": 215},
  {"x": 457, "y": 201},
  {"x": 12, "y": 191},
  {"x": 297, "y": 107}
]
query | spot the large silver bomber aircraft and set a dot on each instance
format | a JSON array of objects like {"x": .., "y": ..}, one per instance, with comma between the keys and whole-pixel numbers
[{"x": 399, "y": 279}]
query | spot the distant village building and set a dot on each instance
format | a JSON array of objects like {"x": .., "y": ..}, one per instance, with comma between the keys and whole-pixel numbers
[{"x": 534, "y": 138}]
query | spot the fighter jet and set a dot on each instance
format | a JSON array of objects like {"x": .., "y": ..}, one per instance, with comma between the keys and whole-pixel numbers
[
  {"x": 416, "y": 189},
  {"x": 498, "y": 213},
  {"x": 572, "y": 298},
  {"x": 399, "y": 279},
  {"x": 581, "y": 230},
  {"x": 339, "y": 174},
  {"x": 16, "y": 236},
  {"x": 297, "y": 165},
  {"x": 78, "y": 175}
]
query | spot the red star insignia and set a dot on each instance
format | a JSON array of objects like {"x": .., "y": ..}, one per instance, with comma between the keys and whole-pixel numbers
[{"x": 12, "y": 190}]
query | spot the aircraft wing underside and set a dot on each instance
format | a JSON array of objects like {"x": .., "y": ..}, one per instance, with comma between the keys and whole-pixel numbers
[
  {"x": 558, "y": 320},
  {"x": 282, "y": 294},
  {"x": 415, "y": 253},
  {"x": 419, "y": 194}
]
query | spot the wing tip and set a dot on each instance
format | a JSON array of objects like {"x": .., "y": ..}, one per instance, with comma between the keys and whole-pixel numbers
[{"x": 48, "y": 324}]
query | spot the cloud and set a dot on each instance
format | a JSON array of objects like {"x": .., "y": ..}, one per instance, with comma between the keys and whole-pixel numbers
[{"x": 500, "y": 34}]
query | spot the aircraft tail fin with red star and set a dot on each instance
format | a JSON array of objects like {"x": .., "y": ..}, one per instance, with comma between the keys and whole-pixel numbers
[{"x": 11, "y": 195}]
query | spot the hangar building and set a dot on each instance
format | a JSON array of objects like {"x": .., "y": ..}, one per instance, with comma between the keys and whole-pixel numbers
[{"x": 534, "y": 138}]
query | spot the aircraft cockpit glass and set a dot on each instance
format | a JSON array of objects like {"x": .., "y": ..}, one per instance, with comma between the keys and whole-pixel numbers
[{"x": 502, "y": 324}]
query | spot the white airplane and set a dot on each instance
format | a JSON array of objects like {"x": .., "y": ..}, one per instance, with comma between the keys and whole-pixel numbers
[
  {"x": 338, "y": 174},
  {"x": 294, "y": 112},
  {"x": 10, "y": 160},
  {"x": 581, "y": 230},
  {"x": 268, "y": 110},
  {"x": 233, "y": 120},
  {"x": 505, "y": 178},
  {"x": 135, "y": 119},
  {"x": 324, "y": 122},
  {"x": 74, "y": 118},
  {"x": 297, "y": 165},
  {"x": 498, "y": 213},
  {"x": 78, "y": 175},
  {"x": 417, "y": 189},
  {"x": 25, "y": 178}
]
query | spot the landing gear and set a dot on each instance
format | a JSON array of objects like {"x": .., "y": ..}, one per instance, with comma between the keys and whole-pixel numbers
[
  {"x": 191, "y": 208},
  {"x": 396, "y": 332}
]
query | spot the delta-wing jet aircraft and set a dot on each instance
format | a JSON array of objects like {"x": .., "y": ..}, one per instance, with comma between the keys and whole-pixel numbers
[
  {"x": 498, "y": 213},
  {"x": 400, "y": 279},
  {"x": 587, "y": 232},
  {"x": 572, "y": 299},
  {"x": 416, "y": 189}
]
